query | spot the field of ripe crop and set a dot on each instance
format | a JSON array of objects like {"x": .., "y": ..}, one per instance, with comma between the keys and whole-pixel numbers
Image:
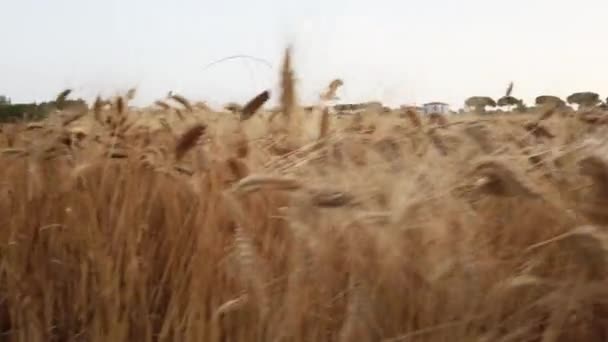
[{"x": 188, "y": 224}]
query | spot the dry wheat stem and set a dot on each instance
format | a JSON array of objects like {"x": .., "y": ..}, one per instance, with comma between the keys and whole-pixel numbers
[
  {"x": 255, "y": 183},
  {"x": 432, "y": 329},
  {"x": 589, "y": 230}
]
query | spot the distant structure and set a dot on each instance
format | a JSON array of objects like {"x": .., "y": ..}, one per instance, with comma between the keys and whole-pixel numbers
[
  {"x": 436, "y": 107},
  {"x": 358, "y": 106}
]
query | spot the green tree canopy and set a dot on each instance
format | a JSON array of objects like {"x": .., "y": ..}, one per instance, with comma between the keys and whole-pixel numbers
[
  {"x": 584, "y": 99},
  {"x": 36, "y": 111},
  {"x": 507, "y": 101},
  {"x": 479, "y": 103},
  {"x": 549, "y": 99}
]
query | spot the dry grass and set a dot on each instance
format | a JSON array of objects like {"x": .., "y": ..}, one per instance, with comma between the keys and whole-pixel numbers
[{"x": 123, "y": 227}]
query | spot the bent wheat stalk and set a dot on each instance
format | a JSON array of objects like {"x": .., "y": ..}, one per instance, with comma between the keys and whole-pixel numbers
[
  {"x": 183, "y": 101},
  {"x": 255, "y": 183},
  {"x": 188, "y": 140},
  {"x": 254, "y": 105}
]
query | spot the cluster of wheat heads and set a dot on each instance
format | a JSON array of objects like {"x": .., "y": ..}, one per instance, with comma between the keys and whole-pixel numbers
[{"x": 179, "y": 223}]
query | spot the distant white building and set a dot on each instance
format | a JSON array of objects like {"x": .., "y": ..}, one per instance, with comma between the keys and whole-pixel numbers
[{"x": 436, "y": 107}]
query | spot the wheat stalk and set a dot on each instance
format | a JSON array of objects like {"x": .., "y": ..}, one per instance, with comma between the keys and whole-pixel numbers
[
  {"x": 255, "y": 183},
  {"x": 596, "y": 167},
  {"x": 331, "y": 199},
  {"x": 539, "y": 131},
  {"x": 497, "y": 178},
  {"x": 413, "y": 117},
  {"x": 97, "y": 109},
  {"x": 548, "y": 113},
  {"x": 438, "y": 142},
  {"x": 324, "y": 124},
  {"x": 246, "y": 253},
  {"x": 438, "y": 119},
  {"x": 480, "y": 135},
  {"x": 74, "y": 117}
]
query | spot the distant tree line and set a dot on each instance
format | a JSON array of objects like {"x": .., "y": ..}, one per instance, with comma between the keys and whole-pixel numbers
[
  {"x": 584, "y": 100},
  {"x": 11, "y": 112}
]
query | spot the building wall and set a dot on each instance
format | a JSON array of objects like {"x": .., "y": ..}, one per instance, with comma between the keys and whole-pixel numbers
[{"x": 437, "y": 108}]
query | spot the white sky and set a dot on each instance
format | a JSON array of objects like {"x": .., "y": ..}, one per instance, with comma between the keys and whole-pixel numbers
[{"x": 394, "y": 51}]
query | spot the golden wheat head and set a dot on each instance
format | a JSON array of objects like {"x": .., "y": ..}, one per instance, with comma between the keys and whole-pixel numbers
[
  {"x": 131, "y": 94},
  {"x": 188, "y": 140},
  {"x": 254, "y": 105},
  {"x": 162, "y": 105},
  {"x": 183, "y": 101},
  {"x": 288, "y": 100},
  {"x": 499, "y": 179},
  {"x": 62, "y": 97},
  {"x": 330, "y": 93}
]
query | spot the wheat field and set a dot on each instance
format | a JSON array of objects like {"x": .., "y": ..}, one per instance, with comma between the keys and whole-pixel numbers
[{"x": 181, "y": 223}]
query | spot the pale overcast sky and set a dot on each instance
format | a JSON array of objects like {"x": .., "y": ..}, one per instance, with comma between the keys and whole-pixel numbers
[{"x": 408, "y": 51}]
